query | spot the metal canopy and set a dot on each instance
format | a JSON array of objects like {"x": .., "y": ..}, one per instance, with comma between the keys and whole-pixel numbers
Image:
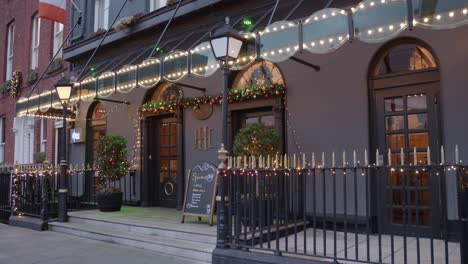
[{"x": 371, "y": 21}]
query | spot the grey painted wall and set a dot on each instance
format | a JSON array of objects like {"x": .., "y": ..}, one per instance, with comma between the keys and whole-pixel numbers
[{"x": 328, "y": 109}]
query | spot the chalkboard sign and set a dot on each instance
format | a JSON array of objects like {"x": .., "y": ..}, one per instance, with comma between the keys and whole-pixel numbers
[{"x": 200, "y": 191}]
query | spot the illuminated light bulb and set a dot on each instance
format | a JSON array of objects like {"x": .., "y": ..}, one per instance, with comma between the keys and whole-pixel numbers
[
  {"x": 288, "y": 49},
  {"x": 451, "y": 14},
  {"x": 307, "y": 20},
  {"x": 402, "y": 25},
  {"x": 330, "y": 40},
  {"x": 362, "y": 6},
  {"x": 390, "y": 27},
  {"x": 465, "y": 11},
  {"x": 380, "y": 29},
  {"x": 313, "y": 44},
  {"x": 369, "y": 32},
  {"x": 267, "y": 30},
  {"x": 315, "y": 18},
  {"x": 343, "y": 12},
  {"x": 324, "y": 16},
  {"x": 265, "y": 54},
  {"x": 280, "y": 51},
  {"x": 333, "y": 14},
  {"x": 372, "y": 3},
  {"x": 340, "y": 38},
  {"x": 426, "y": 19},
  {"x": 282, "y": 26},
  {"x": 382, "y": 1},
  {"x": 296, "y": 47},
  {"x": 322, "y": 42},
  {"x": 415, "y": 22},
  {"x": 438, "y": 17},
  {"x": 272, "y": 53}
]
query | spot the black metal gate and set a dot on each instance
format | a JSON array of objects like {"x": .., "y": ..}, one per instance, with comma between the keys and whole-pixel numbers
[{"x": 5, "y": 191}]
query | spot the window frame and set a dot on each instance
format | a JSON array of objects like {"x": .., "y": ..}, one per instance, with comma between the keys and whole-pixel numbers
[
  {"x": 156, "y": 4},
  {"x": 43, "y": 135},
  {"x": 101, "y": 14},
  {"x": 2, "y": 138},
  {"x": 35, "y": 40},
  {"x": 57, "y": 38},
  {"x": 9, "y": 53}
]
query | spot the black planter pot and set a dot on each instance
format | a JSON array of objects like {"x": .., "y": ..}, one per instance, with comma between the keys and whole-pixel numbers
[{"x": 109, "y": 202}]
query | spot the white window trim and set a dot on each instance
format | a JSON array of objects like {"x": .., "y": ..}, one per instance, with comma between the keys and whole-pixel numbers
[
  {"x": 2, "y": 143},
  {"x": 58, "y": 38},
  {"x": 57, "y": 125},
  {"x": 10, "y": 52},
  {"x": 43, "y": 137},
  {"x": 157, "y": 4},
  {"x": 35, "y": 41},
  {"x": 101, "y": 14}
]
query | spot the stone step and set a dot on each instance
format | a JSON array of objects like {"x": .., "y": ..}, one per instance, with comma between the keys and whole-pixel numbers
[
  {"x": 171, "y": 230},
  {"x": 200, "y": 253}
]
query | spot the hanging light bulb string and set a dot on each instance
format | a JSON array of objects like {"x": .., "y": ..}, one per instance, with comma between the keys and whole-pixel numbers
[{"x": 291, "y": 128}]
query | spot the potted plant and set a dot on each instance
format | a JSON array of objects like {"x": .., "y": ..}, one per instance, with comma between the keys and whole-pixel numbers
[
  {"x": 255, "y": 140},
  {"x": 112, "y": 165}
]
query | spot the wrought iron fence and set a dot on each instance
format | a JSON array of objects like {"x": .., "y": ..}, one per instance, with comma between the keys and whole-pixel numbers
[
  {"x": 5, "y": 191},
  {"x": 35, "y": 189},
  {"x": 369, "y": 214}
]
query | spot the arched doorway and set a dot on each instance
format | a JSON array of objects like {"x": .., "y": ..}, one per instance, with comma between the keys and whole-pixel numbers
[
  {"x": 269, "y": 112},
  {"x": 96, "y": 126},
  {"x": 404, "y": 89},
  {"x": 163, "y": 146}
]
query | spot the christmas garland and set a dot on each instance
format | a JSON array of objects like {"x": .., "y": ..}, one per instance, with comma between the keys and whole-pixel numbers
[
  {"x": 16, "y": 83},
  {"x": 237, "y": 95}
]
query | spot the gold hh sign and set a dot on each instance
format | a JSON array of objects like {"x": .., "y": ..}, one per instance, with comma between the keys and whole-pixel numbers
[{"x": 202, "y": 138}]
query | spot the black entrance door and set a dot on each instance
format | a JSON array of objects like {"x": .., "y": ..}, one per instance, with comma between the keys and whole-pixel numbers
[
  {"x": 162, "y": 160},
  {"x": 406, "y": 119}
]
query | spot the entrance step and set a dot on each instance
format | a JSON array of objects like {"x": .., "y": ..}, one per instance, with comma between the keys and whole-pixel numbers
[
  {"x": 163, "y": 242},
  {"x": 156, "y": 228}
]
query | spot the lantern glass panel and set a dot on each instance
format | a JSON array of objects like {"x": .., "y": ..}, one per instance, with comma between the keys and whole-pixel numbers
[{"x": 379, "y": 21}]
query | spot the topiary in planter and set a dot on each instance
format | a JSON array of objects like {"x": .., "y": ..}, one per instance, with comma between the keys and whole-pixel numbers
[
  {"x": 255, "y": 140},
  {"x": 112, "y": 165}
]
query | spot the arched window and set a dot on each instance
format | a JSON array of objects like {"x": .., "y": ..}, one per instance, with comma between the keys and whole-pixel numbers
[
  {"x": 167, "y": 92},
  {"x": 405, "y": 57},
  {"x": 263, "y": 72},
  {"x": 268, "y": 112},
  {"x": 404, "y": 83},
  {"x": 96, "y": 128}
]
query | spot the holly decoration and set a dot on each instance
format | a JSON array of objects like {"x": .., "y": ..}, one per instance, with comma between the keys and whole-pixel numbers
[
  {"x": 236, "y": 95},
  {"x": 16, "y": 83}
]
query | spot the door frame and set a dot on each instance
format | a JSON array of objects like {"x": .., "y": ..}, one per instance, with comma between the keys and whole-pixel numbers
[
  {"x": 432, "y": 90},
  {"x": 150, "y": 183}
]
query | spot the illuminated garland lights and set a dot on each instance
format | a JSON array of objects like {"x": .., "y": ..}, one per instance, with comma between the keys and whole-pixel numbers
[
  {"x": 16, "y": 83},
  {"x": 237, "y": 95}
]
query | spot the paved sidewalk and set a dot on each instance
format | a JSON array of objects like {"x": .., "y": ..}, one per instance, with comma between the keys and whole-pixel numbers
[{"x": 23, "y": 246}]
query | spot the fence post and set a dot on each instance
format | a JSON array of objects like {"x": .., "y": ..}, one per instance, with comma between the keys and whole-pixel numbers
[
  {"x": 221, "y": 200},
  {"x": 463, "y": 213},
  {"x": 44, "y": 199}
]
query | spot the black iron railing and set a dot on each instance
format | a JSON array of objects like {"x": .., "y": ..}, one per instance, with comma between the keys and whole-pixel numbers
[
  {"x": 5, "y": 190},
  {"x": 368, "y": 214},
  {"x": 35, "y": 190}
]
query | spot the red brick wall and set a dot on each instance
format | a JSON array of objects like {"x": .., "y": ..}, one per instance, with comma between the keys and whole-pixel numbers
[{"x": 21, "y": 12}]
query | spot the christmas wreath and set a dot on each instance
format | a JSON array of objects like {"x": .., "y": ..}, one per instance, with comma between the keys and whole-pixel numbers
[
  {"x": 237, "y": 95},
  {"x": 16, "y": 83}
]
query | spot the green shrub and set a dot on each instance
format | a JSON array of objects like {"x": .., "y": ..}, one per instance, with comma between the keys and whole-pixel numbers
[
  {"x": 255, "y": 140},
  {"x": 112, "y": 160}
]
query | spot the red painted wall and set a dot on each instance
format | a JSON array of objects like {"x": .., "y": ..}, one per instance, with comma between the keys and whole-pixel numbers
[{"x": 21, "y": 13}]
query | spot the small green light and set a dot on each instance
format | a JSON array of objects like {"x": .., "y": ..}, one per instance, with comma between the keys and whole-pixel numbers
[
  {"x": 247, "y": 22},
  {"x": 92, "y": 69}
]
